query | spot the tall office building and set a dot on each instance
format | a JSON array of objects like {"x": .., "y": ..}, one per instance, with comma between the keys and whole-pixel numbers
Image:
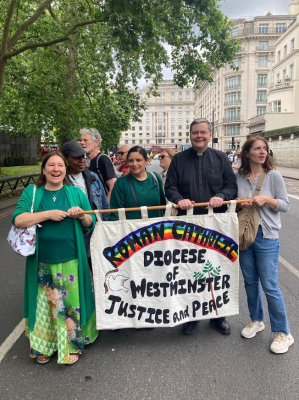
[
  {"x": 166, "y": 120},
  {"x": 237, "y": 96}
]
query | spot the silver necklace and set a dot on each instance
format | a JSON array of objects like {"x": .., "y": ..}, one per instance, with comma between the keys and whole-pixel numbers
[{"x": 54, "y": 198}]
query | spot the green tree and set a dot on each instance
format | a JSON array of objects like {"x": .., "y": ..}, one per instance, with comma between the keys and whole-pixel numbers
[{"x": 65, "y": 64}]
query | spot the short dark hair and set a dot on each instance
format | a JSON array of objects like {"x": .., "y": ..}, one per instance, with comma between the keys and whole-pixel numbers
[
  {"x": 41, "y": 180},
  {"x": 138, "y": 149},
  {"x": 245, "y": 164},
  {"x": 199, "y": 121}
]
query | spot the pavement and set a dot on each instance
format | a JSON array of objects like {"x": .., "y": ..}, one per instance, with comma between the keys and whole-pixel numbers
[{"x": 292, "y": 173}]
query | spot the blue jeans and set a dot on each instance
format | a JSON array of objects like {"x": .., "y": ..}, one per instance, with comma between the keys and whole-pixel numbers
[{"x": 259, "y": 264}]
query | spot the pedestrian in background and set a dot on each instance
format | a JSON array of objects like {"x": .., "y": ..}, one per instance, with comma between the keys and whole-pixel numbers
[
  {"x": 124, "y": 168},
  {"x": 165, "y": 158},
  {"x": 260, "y": 262},
  {"x": 58, "y": 301},
  {"x": 138, "y": 188}
]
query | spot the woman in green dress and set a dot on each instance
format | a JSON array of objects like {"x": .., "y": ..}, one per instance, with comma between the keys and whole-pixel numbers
[
  {"x": 59, "y": 306},
  {"x": 138, "y": 188}
]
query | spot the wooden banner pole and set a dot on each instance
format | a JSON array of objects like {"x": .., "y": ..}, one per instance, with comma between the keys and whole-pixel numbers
[{"x": 156, "y": 207}]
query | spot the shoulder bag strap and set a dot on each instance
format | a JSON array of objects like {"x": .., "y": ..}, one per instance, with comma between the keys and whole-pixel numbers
[
  {"x": 33, "y": 198},
  {"x": 260, "y": 183},
  {"x": 133, "y": 191},
  {"x": 100, "y": 175}
]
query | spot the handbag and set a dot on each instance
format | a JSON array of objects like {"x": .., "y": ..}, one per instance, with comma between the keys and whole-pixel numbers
[
  {"x": 249, "y": 220},
  {"x": 22, "y": 240}
]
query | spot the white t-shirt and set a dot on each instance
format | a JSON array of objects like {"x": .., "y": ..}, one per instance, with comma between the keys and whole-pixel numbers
[{"x": 78, "y": 181}]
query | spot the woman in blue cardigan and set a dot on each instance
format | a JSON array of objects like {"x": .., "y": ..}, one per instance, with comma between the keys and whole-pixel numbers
[{"x": 58, "y": 301}]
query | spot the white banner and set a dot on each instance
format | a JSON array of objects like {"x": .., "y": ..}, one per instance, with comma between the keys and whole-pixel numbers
[{"x": 162, "y": 272}]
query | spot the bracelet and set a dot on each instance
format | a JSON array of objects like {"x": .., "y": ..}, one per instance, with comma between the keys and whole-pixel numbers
[{"x": 82, "y": 217}]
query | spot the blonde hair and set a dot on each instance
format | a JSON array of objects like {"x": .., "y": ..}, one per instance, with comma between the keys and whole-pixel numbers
[{"x": 169, "y": 151}]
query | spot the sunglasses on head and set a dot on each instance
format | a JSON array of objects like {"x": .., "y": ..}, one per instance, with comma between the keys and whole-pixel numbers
[{"x": 121, "y": 153}]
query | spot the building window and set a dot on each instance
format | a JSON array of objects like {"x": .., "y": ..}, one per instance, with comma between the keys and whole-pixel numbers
[
  {"x": 126, "y": 135},
  {"x": 180, "y": 99},
  {"x": 147, "y": 134},
  {"x": 187, "y": 93},
  {"x": 180, "y": 127},
  {"x": 278, "y": 78},
  {"x": 261, "y": 110},
  {"x": 263, "y": 46},
  {"x": 261, "y": 96},
  {"x": 292, "y": 44},
  {"x": 262, "y": 61},
  {"x": 172, "y": 107},
  {"x": 234, "y": 97},
  {"x": 140, "y": 141},
  {"x": 159, "y": 108},
  {"x": 147, "y": 141},
  {"x": 284, "y": 74},
  {"x": 233, "y": 82},
  {"x": 285, "y": 51},
  {"x": 291, "y": 72},
  {"x": 140, "y": 134},
  {"x": 133, "y": 134},
  {"x": 172, "y": 120},
  {"x": 180, "y": 119},
  {"x": 234, "y": 32},
  {"x": 180, "y": 133},
  {"x": 172, "y": 94},
  {"x": 262, "y": 80},
  {"x": 277, "y": 106},
  {"x": 263, "y": 28},
  {"x": 160, "y": 128},
  {"x": 147, "y": 121},
  {"x": 140, "y": 128},
  {"x": 172, "y": 112},
  {"x": 281, "y": 27},
  {"x": 278, "y": 56},
  {"x": 233, "y": 114},
  {"x": 147, "y": 114},
  {"x": 233, "y": 130},
  {"x": 172, "y": 134},
  {"x": 126, "y": 142},
  {"x": 147, "y": 128},
  {"x": 237, "y": 62},
  {"x": 172, "y": 127},
  {"x": 133, "y": 128},
  {"x": 172, "y": 140},
  {"x": 133, "y": 141}
]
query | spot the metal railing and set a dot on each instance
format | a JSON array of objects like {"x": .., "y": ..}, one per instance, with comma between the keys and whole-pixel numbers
[{"x": 16, "y": 183}]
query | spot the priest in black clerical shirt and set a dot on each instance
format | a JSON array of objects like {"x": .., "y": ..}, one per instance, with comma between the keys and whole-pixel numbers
[{"x": 201, "y": 174}]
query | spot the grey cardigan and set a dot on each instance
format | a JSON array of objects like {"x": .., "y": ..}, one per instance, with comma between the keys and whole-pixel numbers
[{"x": 274, "y": 187}]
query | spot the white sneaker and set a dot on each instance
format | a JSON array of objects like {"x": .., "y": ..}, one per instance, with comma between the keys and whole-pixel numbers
[
  {"x": 281, "y": 343},
  {"x": 252, "y": 328}
]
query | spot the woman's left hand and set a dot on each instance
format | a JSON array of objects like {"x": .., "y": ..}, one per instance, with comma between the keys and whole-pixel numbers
[
  {"x": 260, "y": 200},
  {"x": 74, "y": 212}
]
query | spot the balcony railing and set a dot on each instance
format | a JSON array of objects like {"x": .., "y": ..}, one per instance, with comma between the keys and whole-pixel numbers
[
  {"x": 226, "y": 103},
  {"x": 234, "y": 86},
  {"x": 265, "y": 48},
  {"x": 261, "y": 31},
  {"x": 259, "y": 119},
  {"x": 280, "y": 85},
  {"x": 235, "y": 118},
  {"x": 261, "y": 100}
]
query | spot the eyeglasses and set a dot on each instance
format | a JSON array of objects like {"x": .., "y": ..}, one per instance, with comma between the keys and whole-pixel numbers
[
  {"x": 121, "y": 153},
  {"x": 162, "y": 157}
]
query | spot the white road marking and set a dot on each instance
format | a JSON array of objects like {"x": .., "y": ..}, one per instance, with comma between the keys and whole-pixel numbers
[
  {"x": 293, "y": 196},
  {"x": 11, "y": 339},
  {"x": 289, "y": 266}
]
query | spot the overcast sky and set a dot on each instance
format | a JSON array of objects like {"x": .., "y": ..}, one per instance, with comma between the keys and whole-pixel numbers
[
  {"x": 242, "y": 8},
  {"x": 252, "y": 8}
]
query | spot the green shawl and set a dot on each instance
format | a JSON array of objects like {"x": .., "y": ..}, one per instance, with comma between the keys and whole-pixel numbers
[{"x": 75, "y": 197}]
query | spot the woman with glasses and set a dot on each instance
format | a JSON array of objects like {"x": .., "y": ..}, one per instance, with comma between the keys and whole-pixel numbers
[
  {"x": 124, "y": 168},
  {"x": 138, "y": 188},
  {"x": 165, "y": 159}
]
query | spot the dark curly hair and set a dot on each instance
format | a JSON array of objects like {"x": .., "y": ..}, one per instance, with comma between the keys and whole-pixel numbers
[{"x": 245, "y": 164}]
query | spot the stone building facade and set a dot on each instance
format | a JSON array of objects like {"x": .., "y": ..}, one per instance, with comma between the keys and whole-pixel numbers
[{"x": 166, "y": 120}]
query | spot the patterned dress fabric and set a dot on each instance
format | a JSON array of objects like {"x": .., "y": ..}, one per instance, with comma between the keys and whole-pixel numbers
[{"x": 57, "y": 326}]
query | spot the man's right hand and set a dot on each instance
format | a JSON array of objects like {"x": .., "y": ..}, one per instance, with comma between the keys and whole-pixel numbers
[{"x": 186, "y": 204}]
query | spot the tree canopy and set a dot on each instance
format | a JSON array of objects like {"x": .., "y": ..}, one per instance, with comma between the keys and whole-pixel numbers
[{"x": 65, "y": 64}]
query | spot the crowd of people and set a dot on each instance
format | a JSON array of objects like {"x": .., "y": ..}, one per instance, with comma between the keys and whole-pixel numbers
[{"x": 58, "y": 296}]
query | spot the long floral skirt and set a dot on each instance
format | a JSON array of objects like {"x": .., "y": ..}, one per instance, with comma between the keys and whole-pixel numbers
[{"x": 57, "y": 325}]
